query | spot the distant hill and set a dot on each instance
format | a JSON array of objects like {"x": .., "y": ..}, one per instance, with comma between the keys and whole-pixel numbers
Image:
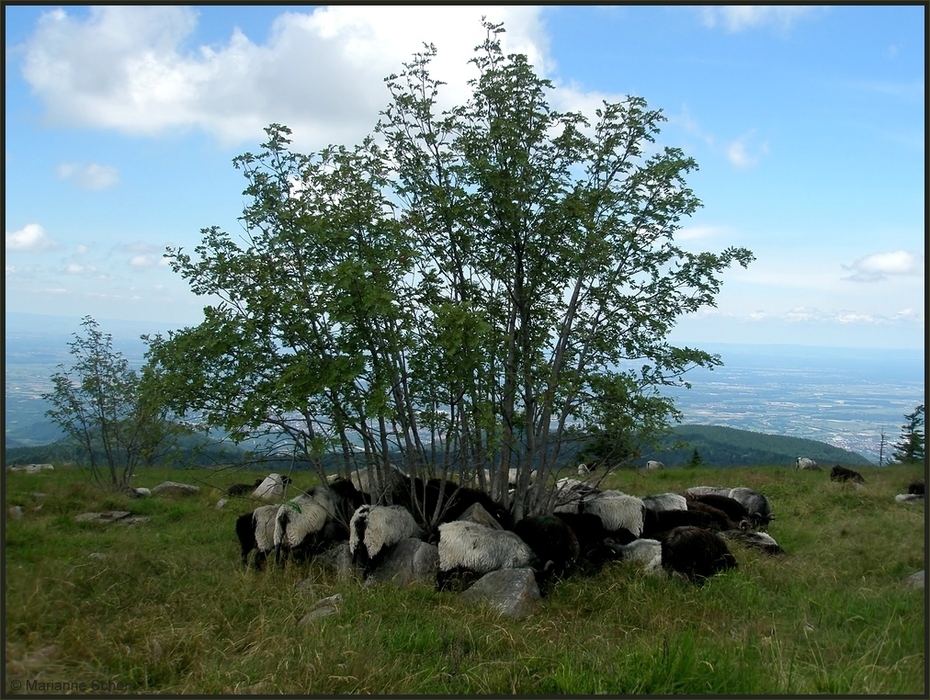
[
  {"x": 717, "y": 446},
  {"x": 730, "y": 447}
]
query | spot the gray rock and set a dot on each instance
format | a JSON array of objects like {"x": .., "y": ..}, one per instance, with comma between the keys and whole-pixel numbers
[
  {"x": 176, "y": 488},
  {"x": 511, "y": 591},
  {"x": 16, "y": 512},
  {"x": 411, "y": 561},
  {"x": 338, "y": 559},
  {"x": 322, "y": 608},
  {"x": 97, "y": 555},
  {"x": 221, "y": 503},
  {"x": 915, "y": 580},
  {"x": 109, "y": 516},
  {"x": 140, "y": 492},
  {"x": 476, "y": 513}
]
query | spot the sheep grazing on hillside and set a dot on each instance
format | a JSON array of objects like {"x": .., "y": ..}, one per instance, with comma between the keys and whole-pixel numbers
[
  {"x": 805, "y": 463},
  {"x": 553, "y": 542},
  {"x": 255, "y": 530},
  {"x": 839, "y": 473},
  {"x": 618, "y": 511},
  {"x": 660, "y": 522},
  {"x": 307, "y": 524},
  {"x": 570, "y": 493},
  {"x": 382, "y": 485},
  {"x": 272, "y": 487},
  {"x": 719, "y": 520},
  {"x": 734, "y": 510},
  {"x": 468, "y": 549},
  {"x": 757, "y": 505},
  {"x": 243, "y": 489},
  {"x": 644, "y": 551},
  {"x": 759, "y": 540},
  {"x": 652, "y": 465},
  {"x": 373, "y": 530},
  {"x": 665, "y": 501},
  {"x": 595, "y": 543},
  {"x": 705, "y": 490},
  {"x": 695, "y": 553},
  {"x": 916, "y": 487}
]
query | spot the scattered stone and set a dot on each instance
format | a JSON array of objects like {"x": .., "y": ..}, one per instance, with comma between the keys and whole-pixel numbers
[
  {"x": 511, "y": 591},
  {"x": 16, "y": 512},
  {"x": 140, "y": 492},
  {"x": 221, "y": 503},
  {"x": 411, "y": 561},
  {"x": 305, "y": 586},
  {"x": 97, "y": 555},
  {"x": 31, "y": 468},
  {"x": 476, "y": 513},
  {"x": 36, "y": 494},
  {"x": 176, "y": 488},
  {"x": 40, "y": 657},
  {"x": 339, "y": 559},
  {"x": 322, "y": 608},
  {"x": 105, "y": 517},
  {"x": 915, "y": 580}
]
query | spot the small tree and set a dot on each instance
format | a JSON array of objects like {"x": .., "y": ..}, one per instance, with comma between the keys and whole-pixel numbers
[
  {"x": 910, "y": 449},
  {"x": 102, "y": 405},
  {"x": 695, "y": 460}
]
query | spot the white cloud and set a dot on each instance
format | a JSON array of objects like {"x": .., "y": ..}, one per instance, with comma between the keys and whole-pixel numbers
[
  {"x": 89, "y": 176},
  {"x": 144, "y": 260},
  {"x": 320, "y": 72},
  {"x": 737, "y": 18},
  {"x": 880, "y": 266},
  {"x": 744, "y": 153},
  {"x": 29, "y": 239},
  {"x": 79, "y": 269}
]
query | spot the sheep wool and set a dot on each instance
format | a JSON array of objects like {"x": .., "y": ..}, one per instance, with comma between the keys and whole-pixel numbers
[
  {"x": 302, "y": 517},
  {"x": 617, "y": 510},
  {"x": 373, "y": 529},
  {"x": 481, "y": 549}
]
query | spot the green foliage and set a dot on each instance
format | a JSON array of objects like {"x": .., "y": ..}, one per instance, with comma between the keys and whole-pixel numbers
[
  {"x": 911, "y": 448},
  {"x": 459, "y": 299},
  {"x": 169, "y": 611},
  {"x": 104, "y": 407}
]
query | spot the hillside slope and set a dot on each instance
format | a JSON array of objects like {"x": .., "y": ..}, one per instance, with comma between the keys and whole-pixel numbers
[{"x": 719, "y": 446}]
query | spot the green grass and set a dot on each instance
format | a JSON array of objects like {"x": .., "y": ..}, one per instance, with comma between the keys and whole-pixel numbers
[{"x": 169, "y": 610}]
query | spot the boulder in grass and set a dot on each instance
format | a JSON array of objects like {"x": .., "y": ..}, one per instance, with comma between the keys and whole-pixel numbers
[
  {"x": 410, "y": 561},
  {"x": 174, "y": 487},
  {"x": 513, "y": 592}
]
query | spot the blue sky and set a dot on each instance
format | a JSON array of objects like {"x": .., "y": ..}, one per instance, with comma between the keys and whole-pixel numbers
[{"x": 808, "y": 126}]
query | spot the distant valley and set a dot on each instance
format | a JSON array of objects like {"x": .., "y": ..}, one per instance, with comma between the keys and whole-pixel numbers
[{"x": 841, "y": 397}]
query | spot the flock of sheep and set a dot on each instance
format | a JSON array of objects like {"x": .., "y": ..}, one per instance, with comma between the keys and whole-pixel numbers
[{"x": 687, "y": 535}]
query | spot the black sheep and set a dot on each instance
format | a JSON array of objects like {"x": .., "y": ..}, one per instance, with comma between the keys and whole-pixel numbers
[
  {"x": 243, "y": 489},
  {"x": 916, "y": 487},
  {"x": 735, "y": 510},
  {"x": 719, "y": 520},
  {"x": 663, "y": 521},
  {"x": 553, "y": 542},
  {"x": 839, "y": 473},
  {"x": 594, "y": 540},
  {"x": 696, "y": 553}
]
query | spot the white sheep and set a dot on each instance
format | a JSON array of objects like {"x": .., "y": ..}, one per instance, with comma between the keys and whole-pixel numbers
[
  {"x": 255, "y": 530},
  {"x": 469, "y": 547},
  {"x": 375, "y": 529},
  {"x": 570, "y": 493},
  {"x": 300, "y": 524},
  {"x": 665, "y": 501},
  {"x": 386, "y": 484},
  {"x": 707, "y": 490},
  {"x": 272, "y": 488},
  {"x": 617, "y": 510},
  {"x": 647, "y": 552}
]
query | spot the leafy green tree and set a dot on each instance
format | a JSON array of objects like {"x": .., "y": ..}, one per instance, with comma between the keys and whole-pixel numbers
[
  {"x": 911, "y": 447},
  {"x": 104, "y": 406},
  {"x": 465, "y": 298}
]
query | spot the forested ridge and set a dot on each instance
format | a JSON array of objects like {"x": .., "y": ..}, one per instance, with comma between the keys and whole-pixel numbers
[{"x": 717, "y": 446}]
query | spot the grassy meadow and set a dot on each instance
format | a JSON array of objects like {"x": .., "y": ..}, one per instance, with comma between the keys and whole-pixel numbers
[{"x": 170, "y": 610}]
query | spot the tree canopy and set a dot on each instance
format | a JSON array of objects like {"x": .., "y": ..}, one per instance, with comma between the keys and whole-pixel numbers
[{"x": 466, "y": 293}]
